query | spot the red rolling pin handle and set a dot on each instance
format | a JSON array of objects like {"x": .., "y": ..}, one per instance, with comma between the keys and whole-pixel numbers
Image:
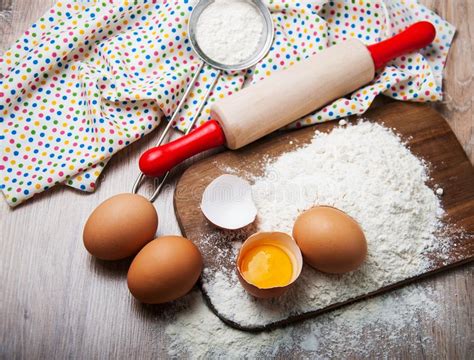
[
  {"x": 157, "y": 161},
  {"x": 415, "y": 37}
]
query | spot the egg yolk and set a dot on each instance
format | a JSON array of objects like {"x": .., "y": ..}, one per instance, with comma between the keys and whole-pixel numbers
[{"x": 267, "y": 266}]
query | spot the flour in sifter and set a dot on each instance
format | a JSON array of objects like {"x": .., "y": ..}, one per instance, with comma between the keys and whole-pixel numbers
[{"x": 229, "y": 31}]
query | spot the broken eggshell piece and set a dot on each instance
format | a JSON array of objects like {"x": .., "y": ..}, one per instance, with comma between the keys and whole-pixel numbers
[
  {"x": 278, "y": 239},
  {"x": 227, "y": 202}
]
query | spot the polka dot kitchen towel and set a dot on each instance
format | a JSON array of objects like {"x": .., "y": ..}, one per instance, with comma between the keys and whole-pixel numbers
[{"x": 91, "y": 77}]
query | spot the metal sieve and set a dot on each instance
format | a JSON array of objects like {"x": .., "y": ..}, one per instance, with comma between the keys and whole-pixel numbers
[
  {"x": 263, "y": 46},
  {"x": 266, "y": 40}
]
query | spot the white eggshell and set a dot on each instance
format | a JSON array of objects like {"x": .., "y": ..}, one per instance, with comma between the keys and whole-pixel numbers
[{"x": 227, "y": 202}]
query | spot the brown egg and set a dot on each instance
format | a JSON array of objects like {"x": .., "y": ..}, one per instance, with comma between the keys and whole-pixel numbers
[
  {"x": 330, "y": 240},
  {"x": 120, "y": 227},
  {"x": 164, "y": 270}
]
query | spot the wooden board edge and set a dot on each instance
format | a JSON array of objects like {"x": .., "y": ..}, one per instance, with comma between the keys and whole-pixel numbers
[
  {"x": 175, "y": 208},
  {"x": 313, "y": 314}
]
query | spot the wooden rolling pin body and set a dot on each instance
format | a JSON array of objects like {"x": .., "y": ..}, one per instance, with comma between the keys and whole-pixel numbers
[
  {"x": 286, "y": 96},
  {"x": 290, "y": 94}
]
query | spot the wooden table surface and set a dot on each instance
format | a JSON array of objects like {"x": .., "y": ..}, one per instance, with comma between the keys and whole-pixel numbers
[{"x": 58, "y": 302}]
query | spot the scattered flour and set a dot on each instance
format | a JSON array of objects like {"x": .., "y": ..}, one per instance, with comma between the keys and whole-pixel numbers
[
  {"x": 196, "y": 333},
  {"x": 229, "y": 31},
  {"x": 367, "y": 171},
  {"x": 364, "y": 170}
]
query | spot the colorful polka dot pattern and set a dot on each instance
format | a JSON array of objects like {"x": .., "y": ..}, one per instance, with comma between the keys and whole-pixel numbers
[{"x": 91, "y": 77}]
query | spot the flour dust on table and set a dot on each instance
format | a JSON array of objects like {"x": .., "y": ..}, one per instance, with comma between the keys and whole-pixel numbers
[
  {"x": 364, "y": 170},
  {"x": 196, "y": 333}
]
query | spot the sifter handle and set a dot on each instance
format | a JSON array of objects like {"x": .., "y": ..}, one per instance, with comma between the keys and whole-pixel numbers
[
  {"x": 415, "y": 37},
  {"x": 158, "y": 160}
]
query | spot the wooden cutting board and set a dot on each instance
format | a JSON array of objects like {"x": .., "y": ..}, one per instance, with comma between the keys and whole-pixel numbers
[{"x": 429, "y": 137}]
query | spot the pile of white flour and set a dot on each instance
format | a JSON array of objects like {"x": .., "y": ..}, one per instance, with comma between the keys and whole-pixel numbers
[
  {"x": 229, "y": 31},
  {"x": 364, "y": 170}
]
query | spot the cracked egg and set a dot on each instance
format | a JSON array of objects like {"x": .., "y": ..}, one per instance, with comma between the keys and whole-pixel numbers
[{"x": 268, "y": 263}]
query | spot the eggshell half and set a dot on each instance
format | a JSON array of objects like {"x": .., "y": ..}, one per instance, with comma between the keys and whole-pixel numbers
[
  {"x": 285, "y": 242},
  {"x": 227, "y": 202}
]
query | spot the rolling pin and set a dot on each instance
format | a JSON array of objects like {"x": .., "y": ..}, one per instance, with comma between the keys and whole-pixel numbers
[{"x": 286, "y": 96}]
